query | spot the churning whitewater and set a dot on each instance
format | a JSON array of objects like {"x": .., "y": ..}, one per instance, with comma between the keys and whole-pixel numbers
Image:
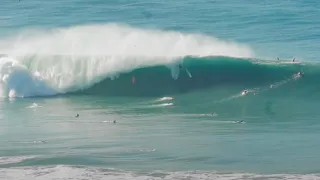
[{"x": 62, "y": 60}]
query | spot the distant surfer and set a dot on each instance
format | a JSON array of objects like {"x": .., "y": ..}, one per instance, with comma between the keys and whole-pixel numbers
[
  {"x": 294, "y": 59},
  {"x": 278, "y": 58},
  {"x": 114, "y": 121},
  {"x": 77, "y": 115},
  {"x": 298, "y": 75},
  {"x": 244, "y": 92},
  {"x": 133, "y": 79}
]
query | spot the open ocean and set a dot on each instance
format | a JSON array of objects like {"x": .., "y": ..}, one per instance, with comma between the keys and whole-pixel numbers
[{"x": 158, "y": 87}]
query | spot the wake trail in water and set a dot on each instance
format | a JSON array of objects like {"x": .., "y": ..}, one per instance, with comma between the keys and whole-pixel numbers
[
  {"x": 165, "y": 99},
  {"x": 162, "y": 105},
  {"x": 256, "y": 91}
]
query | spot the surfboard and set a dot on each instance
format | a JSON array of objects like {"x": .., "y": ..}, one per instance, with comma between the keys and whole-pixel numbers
[{"x": 188, "y": 73}]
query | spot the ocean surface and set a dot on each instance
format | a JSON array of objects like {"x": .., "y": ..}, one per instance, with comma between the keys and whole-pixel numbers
[{"x": 159, "y": 90}]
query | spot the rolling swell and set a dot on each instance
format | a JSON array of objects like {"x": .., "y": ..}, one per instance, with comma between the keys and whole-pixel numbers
[{"x": 206, "y": 72}]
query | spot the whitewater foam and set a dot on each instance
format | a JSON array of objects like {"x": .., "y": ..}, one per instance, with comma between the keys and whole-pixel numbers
[
  {"x": 69, "y": 172},
  {"x": 47, "y": 62},
  {"x": 17, "y": 81}
]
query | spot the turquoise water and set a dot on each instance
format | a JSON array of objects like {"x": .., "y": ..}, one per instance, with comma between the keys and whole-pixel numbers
[{"x": 158, "y": 89}]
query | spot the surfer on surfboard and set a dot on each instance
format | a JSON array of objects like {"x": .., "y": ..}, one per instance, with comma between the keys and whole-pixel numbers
[
  {"x": 189, "y": 74},
  {"x": 244, "y": 92}
]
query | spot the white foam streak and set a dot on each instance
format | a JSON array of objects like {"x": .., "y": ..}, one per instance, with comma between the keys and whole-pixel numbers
[
  {"x": 14, "y": 159},
  {"x": 68, "y": 59},
  {"x": 165, "y": 99}
]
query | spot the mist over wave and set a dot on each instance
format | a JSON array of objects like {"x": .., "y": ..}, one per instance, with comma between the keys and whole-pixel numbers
[
  {"x": 119, "y": 40},
  {"x": 52, "y": 61}
]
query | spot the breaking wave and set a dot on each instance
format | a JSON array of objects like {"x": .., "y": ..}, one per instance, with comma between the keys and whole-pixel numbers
[
  {"x": 115, "y": 59},
  {"x": 47, "y": 62}
]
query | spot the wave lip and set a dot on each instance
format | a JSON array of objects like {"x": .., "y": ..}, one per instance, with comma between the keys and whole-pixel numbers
[{"x": 119, "y": 40}]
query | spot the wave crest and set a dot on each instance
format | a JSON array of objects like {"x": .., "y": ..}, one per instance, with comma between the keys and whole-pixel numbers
[{"x": 49, "y": 62}]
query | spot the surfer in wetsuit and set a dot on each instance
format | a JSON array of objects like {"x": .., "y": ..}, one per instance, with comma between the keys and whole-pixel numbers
[
  {"x": 244, "y": 92},
  {"x": 300, "y": 74},
  {"x": 293, "y": 60}
]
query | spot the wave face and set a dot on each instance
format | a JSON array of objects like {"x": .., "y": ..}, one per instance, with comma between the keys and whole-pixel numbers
[
  {"x": 55, "y": 61},
  {"x": 183, "y": 75},
  {"x": 196, "y": 74}
]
